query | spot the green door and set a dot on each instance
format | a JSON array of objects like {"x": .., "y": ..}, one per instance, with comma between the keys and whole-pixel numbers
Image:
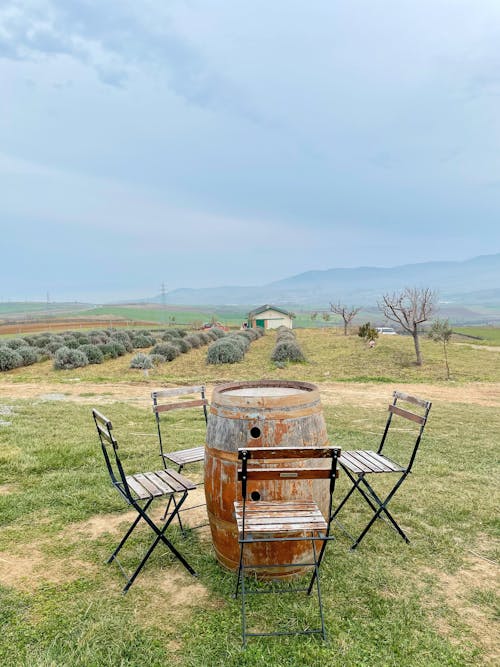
[{"x": 261, "y": 323}]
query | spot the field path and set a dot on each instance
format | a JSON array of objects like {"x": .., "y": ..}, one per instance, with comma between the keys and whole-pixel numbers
[{"x": 332, "y": 393}]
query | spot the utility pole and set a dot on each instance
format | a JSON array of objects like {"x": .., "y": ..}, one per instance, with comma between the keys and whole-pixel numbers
[{"x": 163, "y": 294}]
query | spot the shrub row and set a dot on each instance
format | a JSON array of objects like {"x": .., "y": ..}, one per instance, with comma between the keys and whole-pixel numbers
[
  {"x": 173, "y": 343},
  {"x": 287, "y": 347},
  {"x": 232, "y": 348},
  {"x": 72, "y": 349}
]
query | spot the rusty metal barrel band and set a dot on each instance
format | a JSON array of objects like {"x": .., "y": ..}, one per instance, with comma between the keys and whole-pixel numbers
[
  {"x": 243, "y": 384},
  {"x": 271, "y": 412}
]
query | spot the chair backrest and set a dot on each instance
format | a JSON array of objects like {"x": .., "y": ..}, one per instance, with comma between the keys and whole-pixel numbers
[
  {"x": 162, "y": 402},
  {"x": 280, "y": 472},
  {"x": 112, "y": 459},
  {"x": 417, "y": 414}
]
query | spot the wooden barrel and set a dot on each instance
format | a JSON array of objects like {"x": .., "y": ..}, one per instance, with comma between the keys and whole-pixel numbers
[{"x": 265, "y": 413}]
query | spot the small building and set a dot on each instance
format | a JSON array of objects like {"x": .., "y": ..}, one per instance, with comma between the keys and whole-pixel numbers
[{"x": 270, "y": 317}]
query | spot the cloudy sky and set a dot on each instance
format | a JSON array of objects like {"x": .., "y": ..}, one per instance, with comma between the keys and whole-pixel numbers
[{"x": 206, "y": 142}]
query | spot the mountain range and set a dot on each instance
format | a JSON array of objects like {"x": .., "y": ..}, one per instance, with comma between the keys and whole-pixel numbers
[{"x": 474, "y": 281}]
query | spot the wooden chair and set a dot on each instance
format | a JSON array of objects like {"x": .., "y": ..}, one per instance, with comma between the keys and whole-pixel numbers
[
  {"x": 162, "y": 403},
  {"x": 359, "y": 464},
  {"x": 139, "y": 490},
  {"x": 282, "y": 521}
]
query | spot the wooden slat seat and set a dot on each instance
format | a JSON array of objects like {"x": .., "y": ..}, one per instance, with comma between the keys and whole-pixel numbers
[
  {"x": 274, "y": 517},
  {"x": 158, "y": 483},
  {"x": 184, "y": 456},
  {"x": 366, "y": 461}
]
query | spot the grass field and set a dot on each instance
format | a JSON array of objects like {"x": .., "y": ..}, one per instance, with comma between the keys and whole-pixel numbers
[
  {"x": 231, "y": 316},
  {"x": 27, "y": 309},
  {"x": 432, "y": 602},
  {"x": 488, "y": 335}
]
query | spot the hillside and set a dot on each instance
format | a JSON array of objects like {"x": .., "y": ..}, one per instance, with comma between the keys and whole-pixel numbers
[{"x": 472, "y": 282}]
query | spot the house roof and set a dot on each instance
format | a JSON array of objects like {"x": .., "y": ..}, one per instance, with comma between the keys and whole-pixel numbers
[{"x": 261, "y": 309}]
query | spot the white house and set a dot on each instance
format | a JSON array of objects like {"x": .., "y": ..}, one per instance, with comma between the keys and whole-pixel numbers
[{"x": 270, "y": 317}]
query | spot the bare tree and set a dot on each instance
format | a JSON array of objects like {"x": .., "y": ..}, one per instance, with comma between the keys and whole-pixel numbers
[
  {"x": 347, "y": 313},
  {"x": 410, "y": 308}
]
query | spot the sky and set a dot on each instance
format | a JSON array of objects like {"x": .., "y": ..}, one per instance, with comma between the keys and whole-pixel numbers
[{"x": 198, "y": 143}]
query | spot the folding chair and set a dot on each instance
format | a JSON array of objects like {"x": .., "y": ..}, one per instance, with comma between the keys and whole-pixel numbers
[
  {"x": 282, "y": 521},
  {"x": 360, "y": 463},
  {"x": 139, "y": 490},
  {"x": 180, "y": 457}
]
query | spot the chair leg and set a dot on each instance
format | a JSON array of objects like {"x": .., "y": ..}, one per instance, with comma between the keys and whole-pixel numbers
[
  {"x": 355, "y": 485},
  {"x": 318, "y": 588},
  {"x": 316, "y": 573},
  {"x": 160, "y": 536},
  {"x": 239, "y": 571},
  {"x": 241, "y": 579},
  {"x": 165, "y": 514},
  {"x": 179, "y": 469},
  {"x": 378, "y": 507},
  {"x": 141, "y": 565},
  {"x": 161, "y": 532},
  {"x": 128, "y": 533},
  {"x": 381, "y": 508},
  {"x": 345, "y": 499}
]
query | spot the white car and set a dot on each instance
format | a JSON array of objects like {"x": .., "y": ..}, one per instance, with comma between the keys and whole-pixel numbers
[{"x": 387, "y": 330}]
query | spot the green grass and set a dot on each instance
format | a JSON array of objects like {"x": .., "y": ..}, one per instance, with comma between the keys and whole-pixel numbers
[
  {"x": 29, "y": 310},
  {"x": 385, "y": 604},
  {"x": 169, "y": 314},
  {"x": 489, "y": 335}
]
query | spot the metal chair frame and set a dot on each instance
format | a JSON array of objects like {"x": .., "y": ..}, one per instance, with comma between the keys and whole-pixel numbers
[
  {"x": 139, "y": 491},
  {"x": 181, "y": 457},
  {"x": 314, "y": 527},
  {"x": 358, "y": 464}
]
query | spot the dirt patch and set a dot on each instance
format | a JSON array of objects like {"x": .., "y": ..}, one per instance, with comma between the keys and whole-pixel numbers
[
  {"x": 478, "y": 576},
  {"x": 6, "y": 489},
  {"x": 332, "y": 393},
  {"x": 100, "y": 525},
  {"x": 170, "y": 596},
  {"x": 32, "y": 569},
  {"x": 490, "y": 348},
  {"x": 81, "y": 392},
  {"x": 480, "y": 393}
]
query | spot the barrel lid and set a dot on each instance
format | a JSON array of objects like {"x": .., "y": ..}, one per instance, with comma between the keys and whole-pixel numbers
[{"x": 265, "y": 393}]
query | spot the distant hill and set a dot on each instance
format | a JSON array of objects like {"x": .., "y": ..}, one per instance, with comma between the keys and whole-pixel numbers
[{"x": 471, "y": 282}]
